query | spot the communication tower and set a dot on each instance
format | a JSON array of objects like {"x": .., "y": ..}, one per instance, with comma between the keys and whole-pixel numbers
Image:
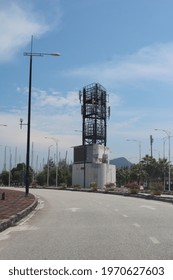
[
  {"x": 91, "y": 162},
  {"x": 95, "y": 114}
]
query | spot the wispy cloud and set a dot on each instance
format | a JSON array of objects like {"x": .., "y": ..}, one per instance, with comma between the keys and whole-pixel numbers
[
  {"x": 55, "y": 99},
  {"x": 18, "y": 22},
  {"x": 152, "y": 63},
  {"x": 53, "y": 114},
  {"x": 52, "y": 111}
]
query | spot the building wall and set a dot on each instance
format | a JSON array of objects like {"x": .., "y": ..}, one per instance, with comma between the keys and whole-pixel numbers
[
  {"x": 93, "y": 153},
  {"x": 101, "y": 173}
]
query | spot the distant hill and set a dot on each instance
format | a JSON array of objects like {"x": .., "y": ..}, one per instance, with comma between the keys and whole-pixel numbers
[{"x": 121, "y": 162}]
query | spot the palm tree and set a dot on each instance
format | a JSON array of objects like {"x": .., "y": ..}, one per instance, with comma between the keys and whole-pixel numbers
[
  {"x": 149, "y": 165},
  {"x": 163, "y": 167}
]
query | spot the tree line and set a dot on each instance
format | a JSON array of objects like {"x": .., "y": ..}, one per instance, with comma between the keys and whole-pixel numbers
[
  {"x": 146, "y": 172},
  {"x": 48, "y": 175}
]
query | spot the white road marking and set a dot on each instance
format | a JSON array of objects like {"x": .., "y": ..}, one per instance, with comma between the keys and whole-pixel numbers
[
  {"x": 148, "y": 207},
  {"x": 25, "y": 219},
  {"x": 40, "y": 204},
  {"x": 154, "y": 240},
  {"x": 136, "y": 225},
  {"x": 73, "y": 209},
  {"x": 29, "y": 216},
  {"x": 125, "y": 216},
  {"x": 20, "y": 227},
  {"x": 116, "y": 210},
  {"x": 3, "y": 236}
]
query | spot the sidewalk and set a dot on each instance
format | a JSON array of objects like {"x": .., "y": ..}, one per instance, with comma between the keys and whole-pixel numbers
[{"x": 15, "y": 206}]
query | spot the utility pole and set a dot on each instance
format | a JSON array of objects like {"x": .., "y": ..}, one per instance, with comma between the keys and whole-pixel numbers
[{"x": 151, "y": 144}]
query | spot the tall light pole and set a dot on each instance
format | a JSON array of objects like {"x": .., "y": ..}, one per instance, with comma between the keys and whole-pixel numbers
[
  {"x": 164, "y": 141},
  {"x": 5, "y": 163},
  {"x": 56, "y": 142},
  {"x": 31, "y": 54},
  {"x": 5, "y": 158},
  {"x": 151, "y": 145},
  {"x": 139, "y": 143},
  {"x": 169, "y": 155},
  {"x": 9, "y": 174},
  {"x": 48, "y": 159}
]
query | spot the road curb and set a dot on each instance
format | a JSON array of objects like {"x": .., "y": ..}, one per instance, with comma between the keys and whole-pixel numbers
[
  {"x": 141, "y": 195},
  {"x": 4, "y": 224}
]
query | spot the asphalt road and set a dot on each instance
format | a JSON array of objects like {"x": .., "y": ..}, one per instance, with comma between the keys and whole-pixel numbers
[{"x": 88, "y": 226}]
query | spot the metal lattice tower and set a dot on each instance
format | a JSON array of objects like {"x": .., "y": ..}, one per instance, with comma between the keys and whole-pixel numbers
[{"x": 95, "y": 113}]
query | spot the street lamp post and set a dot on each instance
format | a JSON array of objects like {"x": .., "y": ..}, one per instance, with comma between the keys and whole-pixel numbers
[
  {"x": 48, "y": 160},
  {"x": 56, "y": 142},
  {"x": 169, "y": 155},
  {"x": 10, "y": 159},
  {"x": 31, "y": 54},
  {"x": 164, "y": 141},
  {"x": 9, "y": 175},
  {"x": 139, "y": 142}
]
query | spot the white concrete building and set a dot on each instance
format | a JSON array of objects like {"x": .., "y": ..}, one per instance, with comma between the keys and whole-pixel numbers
[{"x": 91, "y": 165}]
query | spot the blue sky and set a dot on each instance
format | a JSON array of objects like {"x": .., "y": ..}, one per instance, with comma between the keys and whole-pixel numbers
[{"x": 125, "y": 45}]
